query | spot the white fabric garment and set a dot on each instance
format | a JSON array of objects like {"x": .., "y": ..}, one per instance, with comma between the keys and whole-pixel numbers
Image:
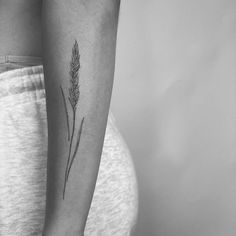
[{"x": 23, "y": 156}]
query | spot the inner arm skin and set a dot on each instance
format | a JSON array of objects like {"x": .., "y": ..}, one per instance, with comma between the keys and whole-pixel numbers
[{"x": 93, "y": 24}]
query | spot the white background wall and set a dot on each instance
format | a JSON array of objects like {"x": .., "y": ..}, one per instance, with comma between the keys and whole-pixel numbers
[{"x": 174, "y": 99}]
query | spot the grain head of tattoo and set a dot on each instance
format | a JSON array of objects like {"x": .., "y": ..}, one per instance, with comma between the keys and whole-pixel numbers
[{"x": 73, "y": 100}]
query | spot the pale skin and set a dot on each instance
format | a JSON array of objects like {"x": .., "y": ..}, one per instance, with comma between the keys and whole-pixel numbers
[{"x": 92, "y": 25}]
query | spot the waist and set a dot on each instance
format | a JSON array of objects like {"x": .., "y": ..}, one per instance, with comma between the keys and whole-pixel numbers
[{"x": 11, "y": 62}]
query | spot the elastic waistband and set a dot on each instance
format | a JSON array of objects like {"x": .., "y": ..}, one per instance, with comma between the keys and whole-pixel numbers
[
  {"x": 26, "y": 60},
  {"x": 24, "y": 84}
]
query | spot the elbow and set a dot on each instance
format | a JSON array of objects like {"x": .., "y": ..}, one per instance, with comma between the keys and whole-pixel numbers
[
  {"x": 114, "y": 5},
  {"x": 102, "y": 10},
  {"x": 109, "y": 14},
  {"x": 102, "y": 15},
  {"x": 106, "y": 5}
]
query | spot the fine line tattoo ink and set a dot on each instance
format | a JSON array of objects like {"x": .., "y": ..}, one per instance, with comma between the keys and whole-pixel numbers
[{"x": 73, "y": 100}]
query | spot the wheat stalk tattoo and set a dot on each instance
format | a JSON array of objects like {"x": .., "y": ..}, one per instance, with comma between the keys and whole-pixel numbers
[{"x": 73, "y": 99}]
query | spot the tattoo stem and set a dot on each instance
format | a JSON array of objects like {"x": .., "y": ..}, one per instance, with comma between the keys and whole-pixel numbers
[
  {"x": 76, "y": 148},
  {"x": 68, "y": 159},
  {"x": 67, "y": 116}
]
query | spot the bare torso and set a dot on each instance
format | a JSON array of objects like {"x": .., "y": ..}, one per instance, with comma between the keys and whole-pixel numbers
[{"x": 20, "y": 27}]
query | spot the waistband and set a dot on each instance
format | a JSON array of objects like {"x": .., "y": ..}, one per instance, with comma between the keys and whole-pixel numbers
[
  {"x": 23, "y": 84},
  {"x": 31, "y": 60},
  {"x": 11, "y": 62}
]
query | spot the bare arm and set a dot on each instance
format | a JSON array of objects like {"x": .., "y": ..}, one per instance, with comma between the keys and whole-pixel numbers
[{"x": 79, "y": 39}]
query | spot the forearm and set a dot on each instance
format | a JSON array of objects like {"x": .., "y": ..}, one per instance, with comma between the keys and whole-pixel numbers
[{"x": 78, "y": 91}]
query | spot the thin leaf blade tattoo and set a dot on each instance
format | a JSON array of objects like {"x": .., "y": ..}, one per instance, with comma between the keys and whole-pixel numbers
[
  {"x": 76, "y": 147},
  {"x": 73, "y": 98},
  {"x": 66, "y": 111}
]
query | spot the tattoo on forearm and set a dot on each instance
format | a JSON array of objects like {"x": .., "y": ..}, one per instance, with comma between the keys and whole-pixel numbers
[
  {"x": 76, "y": 147},
  {"x": 66, "y": 111},
  {"x": 73, "y": 99}
]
